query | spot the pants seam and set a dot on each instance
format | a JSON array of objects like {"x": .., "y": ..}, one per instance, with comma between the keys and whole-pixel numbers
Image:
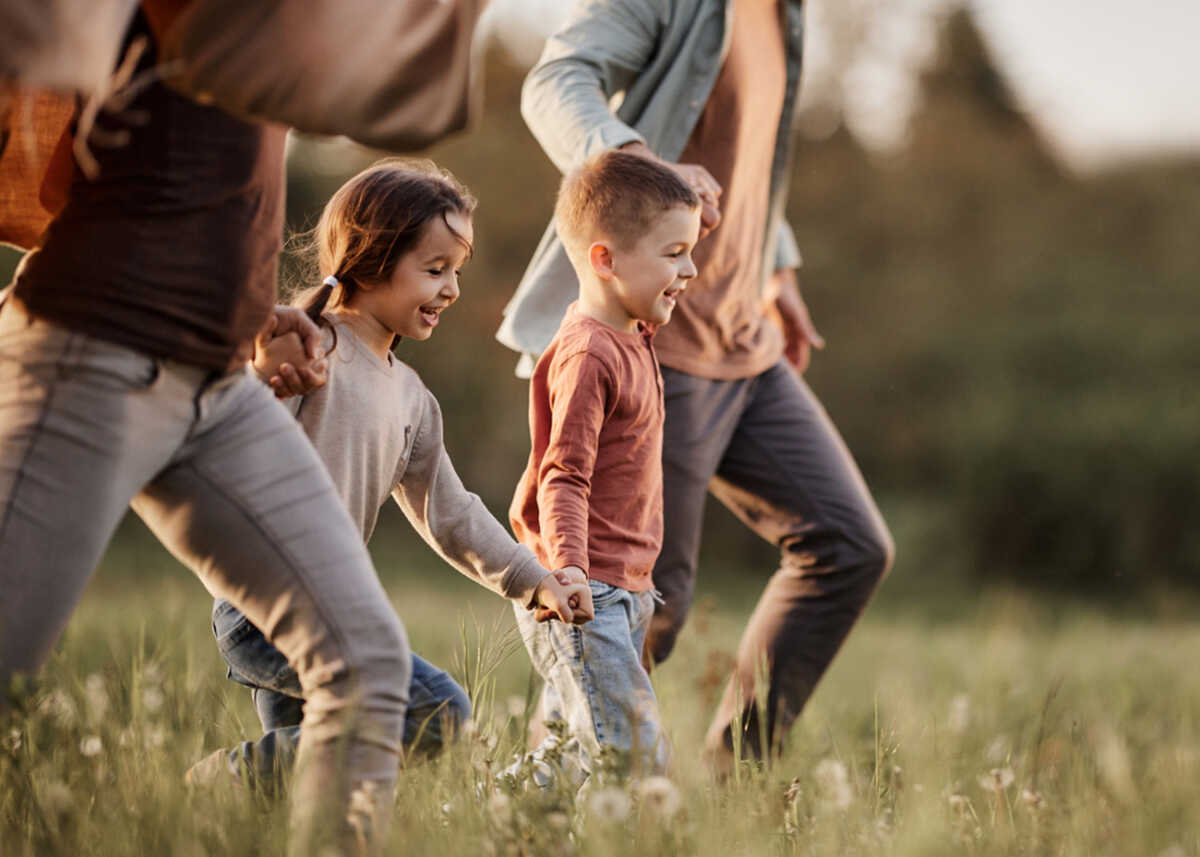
[
  {"x": 36, "y": 434},
  {"x": 278, "y": 548}
]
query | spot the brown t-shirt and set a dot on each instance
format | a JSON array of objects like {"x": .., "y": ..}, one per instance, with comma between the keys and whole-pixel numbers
[
  {"x": 720, "y": 328},
  {"x": 591, "y": 495},
  {"x": 173, "y": 249}
]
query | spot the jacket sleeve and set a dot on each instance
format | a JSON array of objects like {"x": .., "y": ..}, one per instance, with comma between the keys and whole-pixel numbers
[
  {"x": 597, "y": 53},
  {"x": 787, "y": 251},
  {"x": 455, "y": 523}
]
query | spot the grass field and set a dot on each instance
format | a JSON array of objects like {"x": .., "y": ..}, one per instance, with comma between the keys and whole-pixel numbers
[{"x": 1012, "y": 727}]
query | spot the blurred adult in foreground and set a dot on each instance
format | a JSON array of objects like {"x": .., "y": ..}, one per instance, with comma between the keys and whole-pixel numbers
[
  {"x": 710, "y": 87},
  {"x": 123, "y": 348}
]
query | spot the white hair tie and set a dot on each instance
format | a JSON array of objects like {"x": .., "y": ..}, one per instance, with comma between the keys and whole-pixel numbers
[{"x": 331, "y": 281}]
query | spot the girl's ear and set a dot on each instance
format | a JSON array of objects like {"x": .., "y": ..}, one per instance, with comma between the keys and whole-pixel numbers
[{"x": 600, "y": 258}]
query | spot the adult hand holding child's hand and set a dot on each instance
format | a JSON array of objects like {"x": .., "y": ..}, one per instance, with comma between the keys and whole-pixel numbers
[
  {"x": 564, "y": 595},
  {"x": 288, "y": 355}
]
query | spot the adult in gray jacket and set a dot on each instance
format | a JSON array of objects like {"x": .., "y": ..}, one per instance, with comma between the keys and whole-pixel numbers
[{"x": 710, "y": 87}]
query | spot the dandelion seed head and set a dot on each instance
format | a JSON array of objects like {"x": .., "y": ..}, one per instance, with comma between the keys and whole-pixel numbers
[
  {"x": 14, "y": 739},
  {"x": 515, "y": 706},
  {"x": 96, "y": 695},
  {"x": 997, "y": 750},
  {"x": 609, "y": 804},
  {"x": 500, "y": 807},
  {"x": 1032, "y": 799},
  {"x": 833, "y": 783},
  {"x": 153, "y": 699},
  {"x": 959, "y": 717},
  {"x": 60, "y": 706},
  {"x": 997, "y": 779},
  {"x": 659, "y": 795},
  {"x": 91, "y": 746}
]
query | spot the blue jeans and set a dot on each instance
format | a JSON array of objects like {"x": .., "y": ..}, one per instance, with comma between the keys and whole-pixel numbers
[
  {"x": 437, "y": 708},
  {"x": 595, "y": 680}
]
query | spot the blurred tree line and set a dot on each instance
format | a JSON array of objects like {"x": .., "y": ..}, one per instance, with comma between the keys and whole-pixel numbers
[{"x": 1011, "y": 354}]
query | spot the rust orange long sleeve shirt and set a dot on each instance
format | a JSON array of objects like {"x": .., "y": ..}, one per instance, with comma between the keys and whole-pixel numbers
[{"x": 591, "y": 494}]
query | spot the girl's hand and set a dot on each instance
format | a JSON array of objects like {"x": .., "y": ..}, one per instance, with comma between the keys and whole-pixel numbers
[{"x": 564, "y": 595}]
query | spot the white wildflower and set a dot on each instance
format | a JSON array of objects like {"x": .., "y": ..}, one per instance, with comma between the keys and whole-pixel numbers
[
  {"x": 96, "y": 695},
  {"x": 1032, "y": 799},
  {"x": 515, "y": 706},
  {"x": 155, "y": 737},
  {"x": 609, "y": 804},
  {"x": 959, "y": 717},
  {"x": 997, "y": 751},
  {"x": 500, "y": 807},
  {"x": 1112, "y": 758},
  {"x": 91, "y": 745},
  {"x": 14, "y": 739},
  {"x": 834, "y": 784},
  {"x": 659, "y": 795},
  {"x": 997, "y": 779},
  {"x": 153, "y": 698},
  {"x": 60, "y": 706}
]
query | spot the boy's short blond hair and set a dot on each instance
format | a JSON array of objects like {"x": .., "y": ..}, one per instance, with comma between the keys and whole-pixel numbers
[{"x": 616, "y": 196}]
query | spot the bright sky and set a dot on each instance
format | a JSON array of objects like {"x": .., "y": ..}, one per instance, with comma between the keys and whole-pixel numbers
[{"x": 1105, "y": 79}]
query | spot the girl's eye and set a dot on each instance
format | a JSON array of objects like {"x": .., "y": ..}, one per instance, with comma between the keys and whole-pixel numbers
[{"x": 437, "y": 272}]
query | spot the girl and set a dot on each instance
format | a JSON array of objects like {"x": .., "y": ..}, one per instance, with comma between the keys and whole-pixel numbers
[{"x": 390, "y": 243}]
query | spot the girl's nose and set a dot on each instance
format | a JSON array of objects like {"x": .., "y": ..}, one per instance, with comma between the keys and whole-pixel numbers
[{"x": 451, "y": 291}]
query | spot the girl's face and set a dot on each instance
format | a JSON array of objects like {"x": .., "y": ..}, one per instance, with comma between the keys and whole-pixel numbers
[{"x": 424, "y": 281}]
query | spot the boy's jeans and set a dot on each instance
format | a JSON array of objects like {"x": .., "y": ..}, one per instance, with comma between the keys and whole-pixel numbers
[
  {"x": 229, "y": 483},
  {"x": 437, "y": 705},
  {"x": 595, "y": 680}
]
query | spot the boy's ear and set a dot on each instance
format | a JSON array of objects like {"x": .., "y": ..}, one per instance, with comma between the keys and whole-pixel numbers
[{"x": 600, "y": 258}]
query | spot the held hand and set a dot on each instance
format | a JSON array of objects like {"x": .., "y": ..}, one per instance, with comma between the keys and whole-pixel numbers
[
  {"x": 564, "y": 595},
  {"x": 698, "y": 178},
  {"x": 799, "y": 332},
  {"x": 289, "y": 356}
]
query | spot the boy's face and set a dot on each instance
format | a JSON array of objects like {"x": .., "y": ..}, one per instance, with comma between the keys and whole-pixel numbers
[{"x": 649, "y": 275}]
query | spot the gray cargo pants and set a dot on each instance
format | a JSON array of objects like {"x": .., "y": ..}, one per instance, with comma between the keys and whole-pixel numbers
[
  {"x": 765, "y": 447},
  {"x": 228, "y": 482}
]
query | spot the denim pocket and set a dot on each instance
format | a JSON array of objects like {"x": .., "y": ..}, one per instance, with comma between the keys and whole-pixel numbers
[{"x": 604, "y": 594}]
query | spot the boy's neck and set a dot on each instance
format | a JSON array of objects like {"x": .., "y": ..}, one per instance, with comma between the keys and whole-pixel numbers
[{"x": 597, "y": 302}]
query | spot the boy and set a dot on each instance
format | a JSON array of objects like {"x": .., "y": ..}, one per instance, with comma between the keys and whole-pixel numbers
[{"x": 591, "y": 494}]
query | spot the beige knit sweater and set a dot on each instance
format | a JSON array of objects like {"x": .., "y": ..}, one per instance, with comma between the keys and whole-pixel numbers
[{"x": 379, "y": 431}]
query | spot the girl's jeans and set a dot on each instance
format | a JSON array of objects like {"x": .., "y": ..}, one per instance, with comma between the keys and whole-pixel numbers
[
  {"x": 595, "y": 680},
  {"x": 437, "y": 705},
  {"x": 226, "y": 479}
]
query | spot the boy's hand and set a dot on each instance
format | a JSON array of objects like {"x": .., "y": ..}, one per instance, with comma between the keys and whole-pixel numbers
[
  {"x": 288, "y": 355},
  {"x": 564, "y": 595}
]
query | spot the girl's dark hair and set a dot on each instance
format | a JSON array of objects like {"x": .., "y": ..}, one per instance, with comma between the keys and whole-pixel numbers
[{"x": 372, "y": 221}]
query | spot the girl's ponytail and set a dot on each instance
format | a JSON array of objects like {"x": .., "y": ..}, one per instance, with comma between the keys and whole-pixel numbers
[{"x": 314, "y": 301}]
